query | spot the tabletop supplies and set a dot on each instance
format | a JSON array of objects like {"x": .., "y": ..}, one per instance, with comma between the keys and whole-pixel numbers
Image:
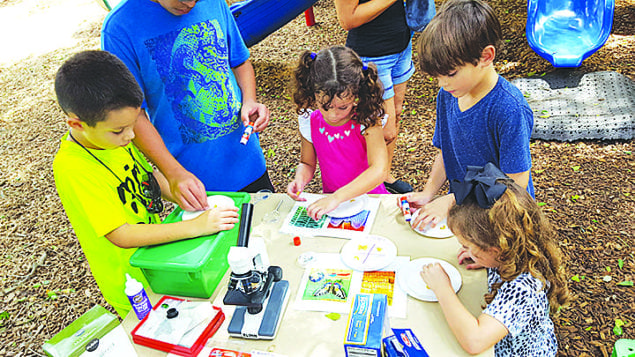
[
  {"x": 178, "y": 326},
  {"x": 366, "y": 324},
  {"x": 97, "y": 332},
  {"x": 189, "y": 267}
]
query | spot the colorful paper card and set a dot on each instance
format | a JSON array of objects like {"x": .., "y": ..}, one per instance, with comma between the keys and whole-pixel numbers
[{"x": 360, "y": 223}]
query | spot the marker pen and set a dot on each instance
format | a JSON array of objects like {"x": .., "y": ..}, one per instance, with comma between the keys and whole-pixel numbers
[
  {"x": 405, "y": 208},
  {"x": 248, "y": 130}
]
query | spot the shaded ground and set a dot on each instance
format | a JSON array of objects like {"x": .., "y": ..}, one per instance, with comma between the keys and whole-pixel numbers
[{"x": 587, "y": 188}]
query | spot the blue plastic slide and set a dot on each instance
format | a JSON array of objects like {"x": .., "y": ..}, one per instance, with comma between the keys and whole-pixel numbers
[
  {"x": 257, "y": 19},
  {"x": 566, "y": 32}
]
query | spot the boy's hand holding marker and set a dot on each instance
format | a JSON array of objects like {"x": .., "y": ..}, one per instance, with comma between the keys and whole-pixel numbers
[
  {"x": 247, "y": 133},
  {"x": 429, "y": 211},
  {"x": 405, "y": 208}
]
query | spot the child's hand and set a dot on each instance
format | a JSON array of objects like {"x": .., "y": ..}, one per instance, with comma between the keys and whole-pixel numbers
[
  {"x": 465, "y": 258},
  {"x": 255, "y": 112},
  {"x": 217, "y": 219},
  {"x": 322, "y": 206},
  {"x": 415, "y": 199},
  {"x": 435, "y": 277},
  {"x": 433, "y": 212},
  {"x": 294, "y": 189}
]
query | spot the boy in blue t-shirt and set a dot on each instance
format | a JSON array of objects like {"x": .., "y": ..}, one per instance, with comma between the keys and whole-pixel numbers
[
  {"x": 200, "y": 93},
  {"x": 481, "y": 117}
]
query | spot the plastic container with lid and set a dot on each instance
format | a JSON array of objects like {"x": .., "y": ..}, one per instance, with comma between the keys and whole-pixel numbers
[{"x": 190, "y": 267}]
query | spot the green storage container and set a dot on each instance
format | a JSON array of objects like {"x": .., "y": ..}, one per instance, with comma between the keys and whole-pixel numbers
[{"x": 190, "y": 267}]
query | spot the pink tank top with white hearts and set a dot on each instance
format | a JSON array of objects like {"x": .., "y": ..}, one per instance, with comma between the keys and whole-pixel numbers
[{"x": 341, "y": 153}]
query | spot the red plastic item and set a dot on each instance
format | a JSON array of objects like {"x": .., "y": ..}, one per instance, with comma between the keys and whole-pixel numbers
[
  {"x": 221, "y": 352},
  {"x": 198, "y": 345},
  {"x": 296, "y": 241},
  {"x": 309, "y": 17}
]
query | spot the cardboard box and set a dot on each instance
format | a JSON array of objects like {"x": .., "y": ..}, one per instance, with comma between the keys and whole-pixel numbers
[
  {"x": 403, "y": 343},
  {"x": 96, "y": 333},
  {"x": 190, "y": 267},
  {"x": 366, "y": 324}
]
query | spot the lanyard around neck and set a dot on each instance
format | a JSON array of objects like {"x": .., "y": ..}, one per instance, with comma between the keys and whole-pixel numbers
[{"x": 125, "y": 187}]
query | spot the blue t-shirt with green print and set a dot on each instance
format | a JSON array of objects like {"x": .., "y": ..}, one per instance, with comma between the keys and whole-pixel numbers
[{"x": 184, "y": 67}]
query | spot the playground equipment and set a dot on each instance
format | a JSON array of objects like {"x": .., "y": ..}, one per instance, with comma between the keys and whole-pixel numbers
[
  {"x": 257, "y": 19},
  {"x": 108, "y": 4},
  {"x": 566, "y": 32}
]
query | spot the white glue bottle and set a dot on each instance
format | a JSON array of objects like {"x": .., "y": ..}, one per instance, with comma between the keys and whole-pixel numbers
[{"x": 138, "y": 297}]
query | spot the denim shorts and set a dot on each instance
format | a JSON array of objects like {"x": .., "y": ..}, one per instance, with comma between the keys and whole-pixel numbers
[{"x": 393, "y": 69}]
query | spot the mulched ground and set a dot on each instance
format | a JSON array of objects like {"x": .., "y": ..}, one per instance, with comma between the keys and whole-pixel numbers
[{"x": 587, "y": 188}]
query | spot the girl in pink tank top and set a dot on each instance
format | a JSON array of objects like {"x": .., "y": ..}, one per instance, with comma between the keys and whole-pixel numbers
[{"x": 344, "y": 134}]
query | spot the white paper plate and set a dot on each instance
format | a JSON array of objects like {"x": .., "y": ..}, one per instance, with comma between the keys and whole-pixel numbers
[
  {"x": 411, "y": 282},
  {"x": 213, "y": 202},
  {"x": 441, "y": 230},
  {"x": 368, "y": 253},
  {"x": 350, "y": 207}
]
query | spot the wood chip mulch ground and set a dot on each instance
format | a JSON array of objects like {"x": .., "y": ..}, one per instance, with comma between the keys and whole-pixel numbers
[{"x": 587, "y": 188}]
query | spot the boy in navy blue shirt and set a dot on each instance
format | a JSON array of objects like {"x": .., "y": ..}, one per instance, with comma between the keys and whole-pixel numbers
[{"x": 481, "y": 117}]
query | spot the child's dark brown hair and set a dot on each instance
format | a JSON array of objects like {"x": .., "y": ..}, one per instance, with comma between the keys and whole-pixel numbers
[
  {"x": 457, "y": 35},
  {"x": 516, "y": 225},
  {"x": 338, "y": 71}
]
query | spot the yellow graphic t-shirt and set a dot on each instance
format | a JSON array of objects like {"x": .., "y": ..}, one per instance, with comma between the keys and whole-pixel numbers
[{"x": 96, "y": 203}]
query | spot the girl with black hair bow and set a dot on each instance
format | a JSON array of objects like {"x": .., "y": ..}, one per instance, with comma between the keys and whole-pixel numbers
[{"x": 501, "y": 227}]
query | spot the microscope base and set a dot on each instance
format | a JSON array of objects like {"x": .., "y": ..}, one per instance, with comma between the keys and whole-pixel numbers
[{"x": 263, "y": 325}]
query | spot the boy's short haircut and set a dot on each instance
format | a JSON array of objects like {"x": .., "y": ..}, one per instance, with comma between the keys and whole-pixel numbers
[
  {"x": 92, "y": 83},
  {"x": 457, "y": 36}
]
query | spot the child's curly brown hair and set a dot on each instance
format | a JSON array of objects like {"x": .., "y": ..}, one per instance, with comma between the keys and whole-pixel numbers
[
  {"x": 527, "y": 241},
  {"x": 338, "y": 71}
]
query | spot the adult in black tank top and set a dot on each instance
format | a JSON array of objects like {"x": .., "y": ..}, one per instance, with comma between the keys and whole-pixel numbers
[{"x": 378, "y": 32}]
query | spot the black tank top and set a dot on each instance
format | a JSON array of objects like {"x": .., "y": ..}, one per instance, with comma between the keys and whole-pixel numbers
[{"x": 387, "y": 34}]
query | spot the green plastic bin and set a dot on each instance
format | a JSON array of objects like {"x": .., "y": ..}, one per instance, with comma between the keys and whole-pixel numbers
[
  {"x": 190, "y": 267},
  {"x": 624, "y": 348}
]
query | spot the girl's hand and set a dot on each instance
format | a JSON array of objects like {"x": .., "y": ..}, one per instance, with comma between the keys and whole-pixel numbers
[
  {"x": 465, "y": 258},
  {"x": 322, "y": 206},
  {"x": 433, "y": 212},
  {"x": 217, "y": 219},
  {"x": 435, "y": 277},
  {"x": 294, "y": 189}
]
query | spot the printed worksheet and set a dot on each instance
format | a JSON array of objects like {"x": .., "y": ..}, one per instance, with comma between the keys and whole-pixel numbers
[
  {"x": 329, "y": 285},
  {"x": 352, "y": 219}
]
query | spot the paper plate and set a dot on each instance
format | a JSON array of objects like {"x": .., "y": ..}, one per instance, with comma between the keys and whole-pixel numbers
[
  {"x": 213, "y": 202},
  {"x": 441, "y": 230},
  {"x": 368, "y": 253},
  {"x": 349, "y": 208},
  {"x": 411, "y": 282}
]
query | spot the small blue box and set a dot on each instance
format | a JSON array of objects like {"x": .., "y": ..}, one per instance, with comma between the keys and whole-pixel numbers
[
  {"x": 403, "y": 343},
  {"x": 366, "y": 324}
]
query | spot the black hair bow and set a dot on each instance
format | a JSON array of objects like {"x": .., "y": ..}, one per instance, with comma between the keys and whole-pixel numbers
[{"x": 480, "y": 183}]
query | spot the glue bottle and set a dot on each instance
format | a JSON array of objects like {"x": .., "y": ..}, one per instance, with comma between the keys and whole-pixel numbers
[{"x": 138, "y": 297}]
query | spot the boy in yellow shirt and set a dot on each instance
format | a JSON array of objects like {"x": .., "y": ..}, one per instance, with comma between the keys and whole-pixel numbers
[{"x": 110, "y": 193}]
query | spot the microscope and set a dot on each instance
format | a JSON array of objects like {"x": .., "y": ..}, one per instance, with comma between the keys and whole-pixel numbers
[{"x": 255, "y": 287}]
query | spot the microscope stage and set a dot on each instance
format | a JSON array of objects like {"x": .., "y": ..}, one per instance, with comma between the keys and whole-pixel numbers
[{"x": 263, "y": 325}]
